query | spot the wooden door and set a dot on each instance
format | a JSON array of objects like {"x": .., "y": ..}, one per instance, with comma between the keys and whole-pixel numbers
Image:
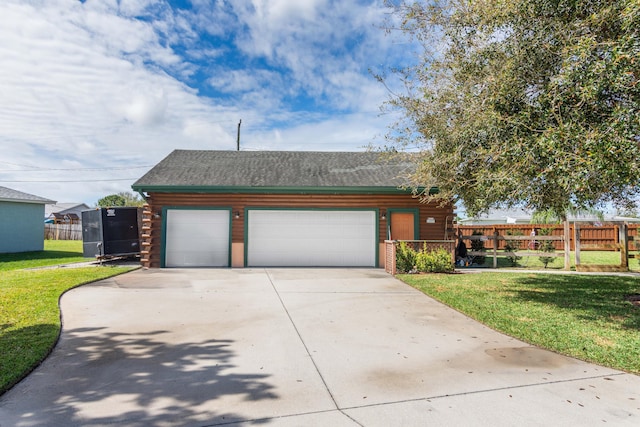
[{"x": 402, "y": 226}]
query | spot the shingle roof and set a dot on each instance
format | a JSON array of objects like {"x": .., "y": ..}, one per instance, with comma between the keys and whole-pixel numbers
[
  {"x": 63, "y": 207},
  {"x": 10, "y": 195},
  {"x": 275, "y": 169}
]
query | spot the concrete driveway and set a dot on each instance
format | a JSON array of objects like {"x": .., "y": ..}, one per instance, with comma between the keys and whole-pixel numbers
[{"x": 298, "y": 347}]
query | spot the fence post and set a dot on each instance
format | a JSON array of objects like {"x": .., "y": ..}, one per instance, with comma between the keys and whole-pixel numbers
[
  {"x": 624, "y": 254},
  {"x": 390, "y": 257},
  {"x": 567, "y": 246},
  {"x": 495, "y": 248},
  {"x": 574, "y": 235},
  {"x": 576, "y": 241}
]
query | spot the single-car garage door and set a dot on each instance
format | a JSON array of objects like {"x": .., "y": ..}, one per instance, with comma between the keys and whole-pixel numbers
[
  {"x": 197, "y": 238},
  {"x": 311, "y": 238}
]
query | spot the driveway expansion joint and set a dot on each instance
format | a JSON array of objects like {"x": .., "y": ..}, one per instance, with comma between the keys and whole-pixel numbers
[
  {"x": 279, "y": 417},
  {"x": 306, "y": 349},
  {"x": 489, "y": 390}
]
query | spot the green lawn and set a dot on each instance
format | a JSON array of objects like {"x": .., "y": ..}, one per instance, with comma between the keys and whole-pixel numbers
[
  {"x": 586, "y": 258},
  {"x": 29, "y": 314},
  {"x": 55, "y": 252},
  {"x": 587, "y": 317}
]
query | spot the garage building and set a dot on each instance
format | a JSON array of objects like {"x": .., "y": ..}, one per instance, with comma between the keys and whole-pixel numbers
[
  {"x": 281, "y": 208},
  {"x": 21, "y": 221}
]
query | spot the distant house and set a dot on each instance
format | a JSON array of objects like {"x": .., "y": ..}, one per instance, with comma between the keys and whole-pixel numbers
[
  {"x": 65, "y": 213},
  {"x": 21, "y": 225},
  {"x": 520, "y": 216},
  {"x": 499, "y": 216}
]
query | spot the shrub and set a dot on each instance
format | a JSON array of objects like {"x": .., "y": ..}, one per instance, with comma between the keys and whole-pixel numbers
[
  {"x": 438, "y": 261},
  {"x": 424, "y": 261},
  {"x": 405, "y": 258}
]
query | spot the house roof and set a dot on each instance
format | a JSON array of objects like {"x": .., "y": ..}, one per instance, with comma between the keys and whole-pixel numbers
[
  {"x": 187, "y": 170},
  {"x": 519, "y": 216},
  {"x": 63, "y": 207},
  {"x": 10, "y": 195},
  {"x": 500, "y": 216},
  {"x": 64, "y": 216}
]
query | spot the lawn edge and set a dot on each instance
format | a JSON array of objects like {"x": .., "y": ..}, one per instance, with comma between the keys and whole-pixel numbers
[
  {"x": 518, "y": 338},
  {"x": 35, "y": 366}
]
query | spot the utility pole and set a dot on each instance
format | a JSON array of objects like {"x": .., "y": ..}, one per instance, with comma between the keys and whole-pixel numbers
[{"x": 238, "y": 140}]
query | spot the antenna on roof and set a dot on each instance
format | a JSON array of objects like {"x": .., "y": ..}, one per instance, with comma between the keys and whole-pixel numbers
[{"x": 238, "y": 140}]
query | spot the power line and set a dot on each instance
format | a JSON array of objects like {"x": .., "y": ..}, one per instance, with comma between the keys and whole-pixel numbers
[
  {"x": 38, "y": 169},
  {"x": 79, "y": 180}
]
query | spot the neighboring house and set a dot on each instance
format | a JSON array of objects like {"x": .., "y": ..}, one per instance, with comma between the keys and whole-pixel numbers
[
  {"x": 21, "y": 225},
  {"x": 516, "y": 216},
  {"x": 499, "y": 216},
  {"x": 279, "y": 208},
  {"x": 65, "y": 213}
]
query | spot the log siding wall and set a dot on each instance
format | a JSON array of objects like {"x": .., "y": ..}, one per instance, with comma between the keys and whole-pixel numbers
[{"x": 152, "y": 224}]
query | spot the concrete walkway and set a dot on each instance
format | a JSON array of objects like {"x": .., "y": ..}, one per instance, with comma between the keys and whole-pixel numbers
[{"x": 298, "y": 347}]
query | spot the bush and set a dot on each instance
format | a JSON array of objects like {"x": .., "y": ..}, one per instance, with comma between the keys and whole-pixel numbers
[
  {"x": 405, "y": 258},
  {"x": 424, "y": 261},
  {"x": 438, "y": 261}
]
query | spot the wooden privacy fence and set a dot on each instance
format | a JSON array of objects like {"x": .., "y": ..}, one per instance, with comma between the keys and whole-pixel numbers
[
  {"x": 622, "y": 246},
  {"x": 63, "y": 232},
  {"x": 605, "y": 237}
]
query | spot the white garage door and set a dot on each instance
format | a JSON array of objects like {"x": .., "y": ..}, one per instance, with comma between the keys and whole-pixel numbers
[
  {"x": 298, "y": 238},
  {"x": 197, "y": 238}
]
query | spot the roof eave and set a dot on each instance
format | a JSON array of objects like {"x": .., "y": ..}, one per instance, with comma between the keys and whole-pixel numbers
[
  {"x": 35, "y": 202},
  {"x": 272, "y": 190}
]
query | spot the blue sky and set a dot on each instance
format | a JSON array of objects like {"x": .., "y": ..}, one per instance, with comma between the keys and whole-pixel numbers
[{"x": 93, "y": 93}]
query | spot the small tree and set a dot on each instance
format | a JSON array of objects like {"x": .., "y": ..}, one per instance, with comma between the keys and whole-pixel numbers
[
  {"x": 513, "y": 246},
  {"x": 546, "y": 246}
]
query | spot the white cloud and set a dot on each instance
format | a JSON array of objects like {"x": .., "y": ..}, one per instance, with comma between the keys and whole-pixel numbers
[
  {"x": 208, "y": 134},
  {"x": 90, "y": 85},
  {"x": 349, "y": 132},
  {"x": 315, "y": 41},
  {"x": 147, "y": 108}
]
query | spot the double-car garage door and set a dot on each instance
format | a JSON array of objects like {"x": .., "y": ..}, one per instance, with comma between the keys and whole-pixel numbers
[
  {"x": 326, "y": 238},
  {"x": 274, "y": 237}
]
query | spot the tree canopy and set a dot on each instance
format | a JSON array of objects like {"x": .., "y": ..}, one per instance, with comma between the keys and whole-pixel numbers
[
  {"x": 121, "y": 199},
  {"x": 530, "y": 103}
]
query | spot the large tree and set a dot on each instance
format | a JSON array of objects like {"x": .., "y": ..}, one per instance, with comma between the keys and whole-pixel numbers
[{"x": 530, "y": 103}]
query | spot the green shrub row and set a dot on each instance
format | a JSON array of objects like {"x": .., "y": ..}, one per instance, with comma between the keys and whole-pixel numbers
[{"x": 409, "y": 260}]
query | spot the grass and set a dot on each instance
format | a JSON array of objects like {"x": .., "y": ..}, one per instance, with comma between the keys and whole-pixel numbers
[
  {"x": 55, "y": 252},
  {"x": 586, "y": 258},
  {"x": 30, "y": 316},
  {"x": 586, "y": 317}
]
